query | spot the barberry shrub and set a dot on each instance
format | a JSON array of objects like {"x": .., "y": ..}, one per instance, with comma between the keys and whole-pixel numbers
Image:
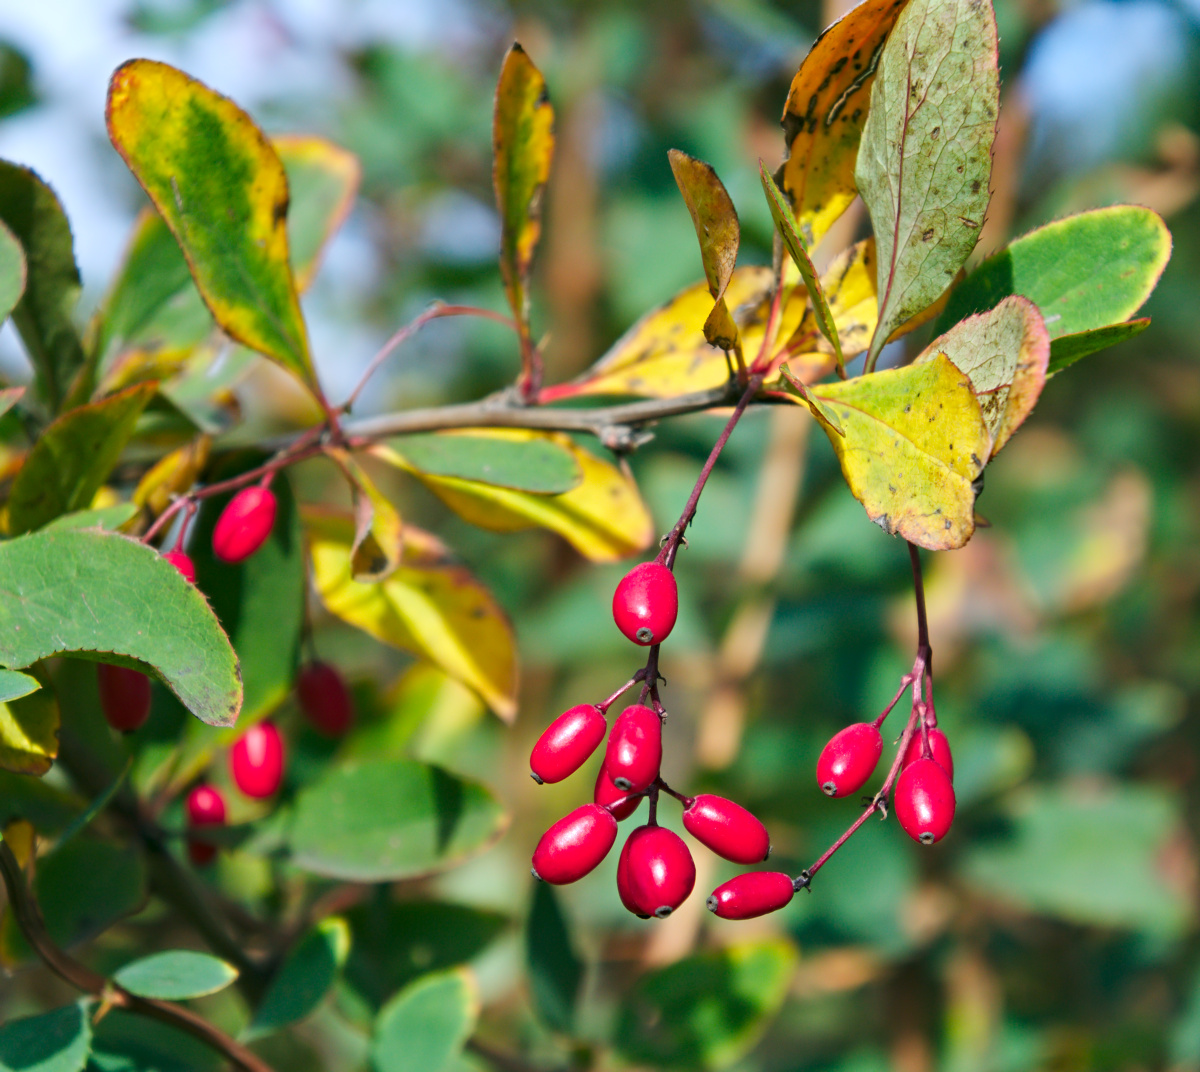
[{"x": 145, "y": 532}]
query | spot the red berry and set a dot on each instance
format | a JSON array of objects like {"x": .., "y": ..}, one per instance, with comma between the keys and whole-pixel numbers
[
  {"x": 924, "y": 801},
  {"x": 608, "y": 794},
  {"x": 204, "y": 807},
  {"x": 646, "y": 602},
  {"x": 634, "y": 750},
  {"x": 256, "y": 761},
  {"x": 182, "y": 563},
  {"x": 848, "y": 760},
  {"x": 124, "y": 696},
  {"x": 624, "y": 890},
  {"x": 727, "y": 828},
  {"x": 939, "y": 747},
  {"x": 574, "y": 845},
  {"x": 244, "y": 524},
  {"x": 753, "y": 894},
  {"x": 566, "y": 744},
  {"x": 659, "y": 870},
  {"x": 325, "y": 699}
]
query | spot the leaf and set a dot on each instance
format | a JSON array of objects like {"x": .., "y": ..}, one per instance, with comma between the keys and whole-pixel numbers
[
  {"x": 102, "y": 517},
  {"x": 555, "y": 970},
  {"x": 1067, "y": 349},
  {"x": 12, "y": 272},
  {"x": 176, "y": 975},
  {"x": 127, "y": 1042},
  {"x": 172, "y": 475},
  {"x": 708, "y": 1010},
  {"x": 73, "y": 457},
  {"x": 14, "y": 685},
  {"x": 914, "y": 443},
  {"x": 824, "y": 114},
  {"x": 434, "y": 609},
  {"x": 926, "y": 154},
  {"x": 35, "y": 216},
  {"x": 719, "y": 234},
  {"x": 104, "y": 596},
  {"x": 29, "y": 731},
  {"x": 85, "y": 817},
  {"x": 1004, "y": 352},
  {"x": 378, "y": 530},
  {"x": 1083, "y": 272},
  {"x": 426, "y": 1025},
  {"x": 523, "y": 147},
  {"x": 786, "y": 226},
  {"x": 382, "y": 820},
  {"x": 603, "y": 518},
  {"x": 222, "y": 190},
  {"x": 47, "y": 808},
  {"x": 519, "y": 458},
  {"x": 57, "y": 1041},
  {"x": 828, "y": 419},
  {"x": 304, "y": 978},
  {"x": 849, "y": 287}
]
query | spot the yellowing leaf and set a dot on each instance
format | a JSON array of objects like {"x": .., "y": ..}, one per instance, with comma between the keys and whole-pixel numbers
[
  {"x": 172, "y": 475},
  {"x": 522, "y": 147},
  {"x": 825, "y": 111},
  {"x": 222, "y": 190},
  {"x": 914, "y": 443},
  {"x": 1005, "y": 352},
  {"x": 378, "y": 530},
  {"x": 433, "y": 609},
  {"x": 603, "y": 517},
  {"x": 29, "y": 733}
]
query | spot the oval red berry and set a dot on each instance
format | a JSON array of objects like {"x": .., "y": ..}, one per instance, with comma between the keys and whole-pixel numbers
[
  {"x": 634, "y": 751},
  {"x": 618, "y": 801},
  {"x": 574, "y": 845},
  {"x": 939, "y": 748},
  {"x": 924, "y": 801},
  {"x": 256, "y": 761},
  {"x": 752, "y": 894},
  {"x": 182, "y": 563},
  {"x": 849, "y": 759},
  {"x": 124, "y": 696},
  {"x": 204, "y": 806},
  {"x": 244, "y": 524},
  {"x": 646, "y": 603},
  {"x": 727, "y": 828},
  {"x": 624, "y": 890},
  {"x": 660, "y": 870},
  {"x": 324, "y": 699},
  {"x": 567, "y": 743}
]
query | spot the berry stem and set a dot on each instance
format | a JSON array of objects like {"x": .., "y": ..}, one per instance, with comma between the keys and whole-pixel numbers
[
  {"x": 605, "y": 705},
  {"x": 686, "y": 801}
]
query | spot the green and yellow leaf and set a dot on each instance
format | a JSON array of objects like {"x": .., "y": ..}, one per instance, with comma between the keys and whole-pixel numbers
[
  {"x": 378, "y": 530},
  {"x": 29, "y": 732},
  {"x": 172, "y": 475}
]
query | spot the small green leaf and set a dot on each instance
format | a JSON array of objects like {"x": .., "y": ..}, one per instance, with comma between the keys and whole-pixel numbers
[
  {"x": 117, "y": 600},
  {"x": 29, "y": 732},
  {"x": 12, "y": 272},
  {"x": 176, "y": 975},
  {"x": 382, "y": 820},
  {"x": 555, "y": 970},
  {"x": 103, "y": 517},
  {"x": 57, "y": 1041},
  {"x": 14, "y": 685},
  {"x": 514, "y": 458},
  {"x": 73, "y": 457},
  {"x": 708, "y": 1010},
  {"x": 926, "y": 154},
  {"x": 425, "y": 1026},
  {"x": 305, "y": 977},
  {"x": 1067, "y": 349}
]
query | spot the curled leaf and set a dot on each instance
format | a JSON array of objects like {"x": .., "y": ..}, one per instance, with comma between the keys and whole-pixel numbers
[{"x": 378, "y": 530}]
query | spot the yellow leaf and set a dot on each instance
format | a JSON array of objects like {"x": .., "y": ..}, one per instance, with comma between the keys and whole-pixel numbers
[
  {"x": 172, "y": 475},
  {"x": 914, "y": 443},
  {"x": 435, "y": 610},
  {"x": 378, "y": 530},
  {"x": 29, "y": 733},
  {"x": 602, "y": 517}
]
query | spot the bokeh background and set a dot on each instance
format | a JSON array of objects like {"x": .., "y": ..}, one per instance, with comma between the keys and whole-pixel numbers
[{"x": 1056, "y": 928}]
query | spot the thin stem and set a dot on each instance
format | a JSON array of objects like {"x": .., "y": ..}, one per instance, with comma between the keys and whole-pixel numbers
[
  {"x": 905, "y": 681},
  {"x": 919, "y": 588},
  {"x": 652, "y": 817},
  {"x": 686, "y": 801},
  {"x": 605, "y": 705}
]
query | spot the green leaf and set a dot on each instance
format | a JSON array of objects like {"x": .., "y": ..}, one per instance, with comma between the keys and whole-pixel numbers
[
  {"x": 424, "y": 1027},
  {"x": 926, "y": 154},
  {"x": 176, "y": 975},
  {"x": 323, "y": 180},
  {"x": 73, "y": 457},
  {"x": 305, "y": 977},
  {"x": 382, "y": 820},
  {"x": 518, "y": 458},
  {"x": 29, "y": 732},
  {"x": 103, "y": 517},
  {"x": 57, "y": 1041},
  {"x": 14, "y": 685},
  {"x": 12, "y": 272},
  {"x": 555, "y": 970},
  {"x": 43, "y": 315},
  {"x": 1084, "y": 272},
  {"x": 127, "y": 1042},
  {"x": 1067, "y": 349},
  {"x": 84, "y": 818},
  {"x": 49, "y": 809},
  {"x": 116, "y": 600},
  {"x": 222, "y": 190},
  {"x": 708, "y": 1010}
]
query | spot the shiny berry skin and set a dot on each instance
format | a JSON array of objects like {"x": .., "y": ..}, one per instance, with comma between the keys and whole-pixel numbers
[
  {"x": 624, "y": 890},
  {"x": 124, "y": 696},
  {"x": 924, "y": 801},
  {"x": 634, "y": 750},
  {"x": 244, "y": 524},
  {"x": 324, "y": 699},
  {"x": 574, "y": 845},
  {"x": 727, "y": 828},
  {"x": 849, "y": 759},
  {"x": 939, "y": 748},
  {"x": 646, "y": 603},
  {"x": 204, "y": 807},
  {"x": 753, "y": 894},
  {"x": 182, "y": 563},
  {"x": 608, "y": 794},
  {"x": 566, "y": 744},
  {"x": 659, "y": 870},
  {"x": 256, "y": 761}
]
